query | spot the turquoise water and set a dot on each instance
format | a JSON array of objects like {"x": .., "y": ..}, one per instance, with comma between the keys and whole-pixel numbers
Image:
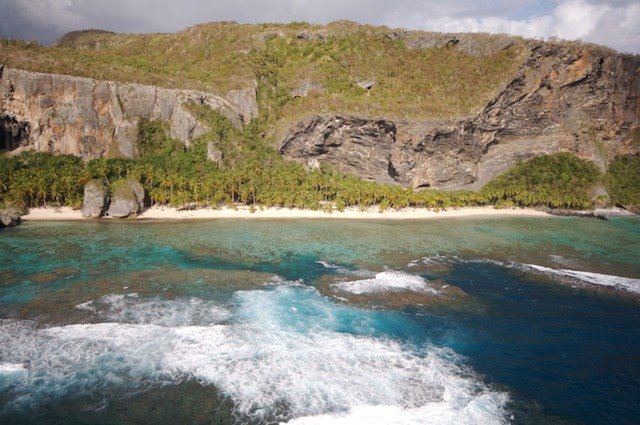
[{"x": 507, "y": 320}]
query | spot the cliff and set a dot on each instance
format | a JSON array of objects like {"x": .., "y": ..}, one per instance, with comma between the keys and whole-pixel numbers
[
  {"x": 90, "y": 118},
  {"x": 569, "y": 98},
  {"x": 410, "y": 108}
]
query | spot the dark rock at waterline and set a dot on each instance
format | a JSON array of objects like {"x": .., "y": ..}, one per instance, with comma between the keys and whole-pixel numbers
[
  {"x": 600, "y": 213},
  {"x": 183, "y": 403},
  {"x": 577, "y": 213},
  {"x": 96, "y": 199},
  {"x": 128, "y": 199},
  {"x": 633, "y": 209},
  {"x": 10, "y": 217}
]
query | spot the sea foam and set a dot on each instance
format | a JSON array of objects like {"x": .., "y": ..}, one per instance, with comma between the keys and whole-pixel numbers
[
  {"x": 387, "y": 281},
  {"x": 263, "y": 357},
  {"x": 9, "y": 368},
  {"x": 618, "y": 282},
  {"x": 131, "y": 308}
]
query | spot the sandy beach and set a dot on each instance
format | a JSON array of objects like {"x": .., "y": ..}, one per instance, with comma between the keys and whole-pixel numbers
[{"x": 243, "y": 212}]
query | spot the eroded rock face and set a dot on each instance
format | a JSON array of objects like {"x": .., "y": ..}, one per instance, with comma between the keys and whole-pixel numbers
[
  {"x": 127, "y": 199},
  {"x": 214, "y": 154},
  {"x": 354, "y": 145},
  {"x": 90, "y": 118},
  {"x": 571, "y": 98},
  {"x": 96, "y": 199},
  {"x": 9, "y": 217},
  {"x": 14, "y": 134}
]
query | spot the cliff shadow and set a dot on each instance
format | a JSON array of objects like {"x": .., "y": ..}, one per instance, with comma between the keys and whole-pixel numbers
[{"x": 13, "y": 133}]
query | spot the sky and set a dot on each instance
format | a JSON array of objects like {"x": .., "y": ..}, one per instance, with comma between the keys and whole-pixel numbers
[{"x": 614, "y": 23}]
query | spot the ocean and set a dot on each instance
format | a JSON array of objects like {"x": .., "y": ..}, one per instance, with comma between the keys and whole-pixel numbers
[{"x": 444, "y": 321}]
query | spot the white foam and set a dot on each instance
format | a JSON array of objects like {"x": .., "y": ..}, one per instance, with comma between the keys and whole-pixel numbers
[
  {"x": 7, "y": 368},
  {"x": 87, "y": 306},
  {"x": 283, "y": 347},
  {"x": 479, "y": 411},
  {"x": 344, "y": 270},
  {"x": 281, "y": 281},
  {"x": 618, "y": 282},
  {"x": 387, "y": 281},
  {"x": 129, "y": 308},
  {"x": 327, "y": 265},
  {"x": 437, "y": 259}
]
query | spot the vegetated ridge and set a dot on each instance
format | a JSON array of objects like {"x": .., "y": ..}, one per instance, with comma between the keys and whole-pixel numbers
[{"x": 401, "y": 108}]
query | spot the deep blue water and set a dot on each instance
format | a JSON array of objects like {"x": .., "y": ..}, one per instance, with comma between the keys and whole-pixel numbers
[{"x": 234, "y": 321}]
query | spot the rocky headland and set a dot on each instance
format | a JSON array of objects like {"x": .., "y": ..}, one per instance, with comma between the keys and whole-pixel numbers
[{"x": 562, "y": 99}]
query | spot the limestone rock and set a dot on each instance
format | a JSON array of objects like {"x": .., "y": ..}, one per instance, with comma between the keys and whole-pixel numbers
[
  {"x": 96, "y": 199},
  {"x": 127, "y": 199},
  {"x": 306, "y": 88},
  {"x": 89, "y": 118},
  {"x": 14, "y": 134},
  {"x": 564, "y": 98},
  {"x": 10, "y": 217},
  {"x": 366, "y": 84},
  {"x": 309, "y": 35},
  {"x": 358, "y": 146},
  {"x": 473, "y": 44},
  {"x": 245, "y": 103},
  {"x": 214, "y": 154}
]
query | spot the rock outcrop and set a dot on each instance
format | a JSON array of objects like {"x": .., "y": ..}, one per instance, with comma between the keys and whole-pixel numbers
[
  {"x": 127, "y": 199},
  {"x": 355, "y": 145},
  {"x": 214, "y": 154},
  {"x": 9, "y": 217},
  {"x": 96, "y": 199},
  {"x": 90, "y": 118},
  {"x": 565, "y": 97}
]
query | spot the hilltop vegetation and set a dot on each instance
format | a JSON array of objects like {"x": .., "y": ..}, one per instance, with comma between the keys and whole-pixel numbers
[{"x": 410, "y": 81}]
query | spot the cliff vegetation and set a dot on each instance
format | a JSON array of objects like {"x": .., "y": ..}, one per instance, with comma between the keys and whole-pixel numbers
[
  {"x": 297, "y": 115},
  {"x": 254, "y": 174},
  {"x": 300, "y": 67}
]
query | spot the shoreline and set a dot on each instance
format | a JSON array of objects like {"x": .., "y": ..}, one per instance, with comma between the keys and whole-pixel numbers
[{"x": 242, "y": 212}]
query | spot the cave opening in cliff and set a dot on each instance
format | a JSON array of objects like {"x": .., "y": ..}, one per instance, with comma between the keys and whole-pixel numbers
[{"x": 13, "y": 133}]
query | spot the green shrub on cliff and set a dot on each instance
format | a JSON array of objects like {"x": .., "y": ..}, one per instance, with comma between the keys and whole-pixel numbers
[
  {"x": 558, "y": 181},
  {"x": 153, "y": 139}
]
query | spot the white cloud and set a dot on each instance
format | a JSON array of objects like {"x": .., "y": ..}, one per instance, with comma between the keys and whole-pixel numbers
[{"x": 615, "y": 23}]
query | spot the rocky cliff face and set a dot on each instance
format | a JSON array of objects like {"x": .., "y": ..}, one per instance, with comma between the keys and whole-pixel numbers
[
  {"x": 91, "y": 118},
  {"x": 564, "y": 97},
  {"x": 354, "y": 144},
  {"x": 571, "y": 98}
]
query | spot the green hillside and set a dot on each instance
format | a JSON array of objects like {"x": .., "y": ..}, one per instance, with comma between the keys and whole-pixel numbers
[
  {"x": 298, "y": 69},
  {"x": 410, "y": 81}
]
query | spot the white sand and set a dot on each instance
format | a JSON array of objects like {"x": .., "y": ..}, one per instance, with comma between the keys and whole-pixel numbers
[{"x": 167, "y": 213}]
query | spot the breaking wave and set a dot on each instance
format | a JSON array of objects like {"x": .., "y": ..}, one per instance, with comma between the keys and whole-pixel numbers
[
  {"x": 622, "y": 283},
  {"x": 388, "y": 281},
  {"x": 282, "y": 346}
]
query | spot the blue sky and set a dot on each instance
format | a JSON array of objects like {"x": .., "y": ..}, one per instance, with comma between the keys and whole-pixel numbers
[{"x": 614, "y": 23}]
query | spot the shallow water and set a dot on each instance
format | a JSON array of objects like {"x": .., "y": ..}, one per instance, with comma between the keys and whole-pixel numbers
[{"x": 508, "y": 320}]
